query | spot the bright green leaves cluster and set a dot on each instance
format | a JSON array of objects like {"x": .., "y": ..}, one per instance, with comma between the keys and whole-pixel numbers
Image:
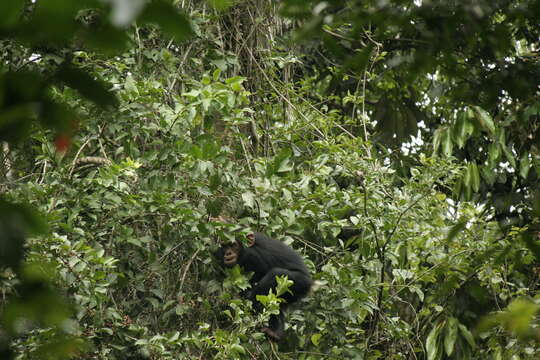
[
  {"x": 281, "y": 164},
  {"x": 212, "y": 101}
]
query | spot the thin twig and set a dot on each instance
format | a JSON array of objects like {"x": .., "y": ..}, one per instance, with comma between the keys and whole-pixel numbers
[
  {"x": 77, "y": 156},
  {"x": 186, "y": 268}
]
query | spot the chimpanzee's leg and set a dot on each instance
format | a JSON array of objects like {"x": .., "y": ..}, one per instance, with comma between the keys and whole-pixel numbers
[
  {"x": 299, "y": 288},
  {"x": 267, "y": 282},
  {"x": 276, "y": 324}
]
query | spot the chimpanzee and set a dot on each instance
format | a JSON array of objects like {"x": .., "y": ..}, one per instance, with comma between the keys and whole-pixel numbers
[{"x": 268, "y": 258}]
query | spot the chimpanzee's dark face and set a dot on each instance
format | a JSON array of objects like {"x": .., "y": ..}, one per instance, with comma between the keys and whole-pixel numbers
[{"x": 229, "y": 254}]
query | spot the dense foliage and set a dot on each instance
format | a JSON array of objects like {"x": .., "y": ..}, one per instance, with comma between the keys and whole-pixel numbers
[{"x": 394, "y": 144}]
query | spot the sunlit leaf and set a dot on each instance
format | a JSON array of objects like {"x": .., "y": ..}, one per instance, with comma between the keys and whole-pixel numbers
[
  {"x": 467, "y": 335},
  {"x": 509, "y": 156},
  {"x": 316, "y": 338},
  {"x": 432, "y": 343},
  {"x": 450, "y": 336},
  {"x": 494, "y": 153},
  {"x": 249, "y": 199},
  {"x": 516, "y": 319},
  {"x": 446, "y": 142},
  {"x": 437, "y": 137},
  {"x": 524, "y": 165},
  {"x": 456, "y": 229},
  {"x": 474, "y": 177},
  {"x": 484, "y": 119},
  {"x": 462, "y": 129},
  {"x": 216, "y": 74}
]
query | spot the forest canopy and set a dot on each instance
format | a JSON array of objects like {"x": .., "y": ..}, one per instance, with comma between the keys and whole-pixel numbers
[{"x": 393, "y": 144}]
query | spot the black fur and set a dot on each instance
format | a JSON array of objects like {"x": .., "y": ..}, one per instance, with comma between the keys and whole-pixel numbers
[{"x": 268, "y": 258}]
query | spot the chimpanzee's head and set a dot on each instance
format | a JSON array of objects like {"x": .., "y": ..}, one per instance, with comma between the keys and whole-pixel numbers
[{"x": 230, "y": 254}]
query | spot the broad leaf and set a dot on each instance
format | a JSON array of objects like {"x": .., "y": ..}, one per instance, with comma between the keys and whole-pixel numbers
[
  {"x": 432, "y": 343},
  {"x": 484, "y": 119},
  {"x": 450, "y": 335}
]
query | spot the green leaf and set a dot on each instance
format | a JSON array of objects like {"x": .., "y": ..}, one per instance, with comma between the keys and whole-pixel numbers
[
  {"x": 450, "y": 335},
  {"x": 524, "y": 165},
  {"x": 209, "y": 147},
  {"x": 471, "y": 179},
  {"x": 214, "y": 206},
  {"x": 283, "y": 285},
  {"x": 484, "y": 119},
  {"x": 467, "y": 335},
  {"x": 489, "y": 175},
  {"x": 437, "y": 136},
  {"x": 21, "y": 97},
  {"x": 462, "y": 130},
  {"x": 95, "y": 90},
  {"x": 281, "y": 163},
  {"x": 238, "y": 349},
  {"x": 249, "y": 199},
  {"x": 474, "y": 176},
  {"x": 432, "y": 343},
  {"x": 40, "y": 30},
  {"x": 447, "y": 143},
  {"x": 236, "y": 83},
  {"x": 221, "y": 4},
  {"x": 316, "y": 339},
  {"x": 399, "y": 123},
  {"x": 195, "y": 151},
  {"x": 215, "y": 74},
  {"x": 456, "y": 229},
  {"x": 509, "y": 156},
  {"x": 107, "y": 39},
  {"x": 494, "y": 153},
  {"x": 171, "y": 20}
]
